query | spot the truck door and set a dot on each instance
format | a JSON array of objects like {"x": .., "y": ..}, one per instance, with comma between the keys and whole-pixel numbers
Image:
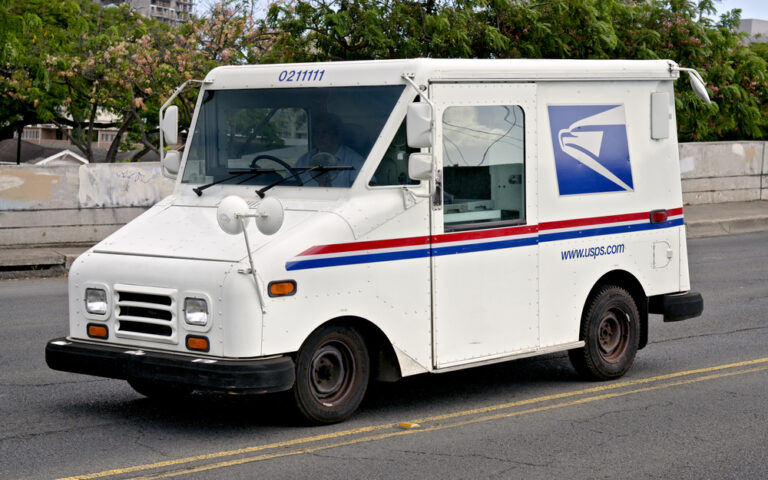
[{"x": 484, "y": 242}]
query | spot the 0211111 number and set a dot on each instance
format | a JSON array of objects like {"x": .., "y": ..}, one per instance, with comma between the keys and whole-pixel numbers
[{"x": 301, "y": 75}]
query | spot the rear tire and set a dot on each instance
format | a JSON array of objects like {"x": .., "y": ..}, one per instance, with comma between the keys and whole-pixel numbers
[
  {"x": 610, "y": 330},
  {"x": 332, "y": 372}
]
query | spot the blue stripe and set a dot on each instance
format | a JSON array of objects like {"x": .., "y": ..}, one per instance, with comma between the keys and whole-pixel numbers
[
  {"x": 474, "y": 247},
  {"x": 356, "y": 259},
  {"x": 593, "y": 232},
  {"x": 479, "y": 247}
]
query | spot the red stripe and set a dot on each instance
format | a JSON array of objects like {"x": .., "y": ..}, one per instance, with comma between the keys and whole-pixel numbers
[
  {"x": 477, "y": 234},
  {"x": 481, "y": 234},
  {"x": 582, "y": 222},
  {"x": 675, "y": 211},
  {"x": 368, "y": 245}
]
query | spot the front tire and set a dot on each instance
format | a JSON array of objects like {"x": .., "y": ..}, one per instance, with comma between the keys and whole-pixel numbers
[
  {"x": 332, "y": 372},
  {"x": 609, "y": 329}
]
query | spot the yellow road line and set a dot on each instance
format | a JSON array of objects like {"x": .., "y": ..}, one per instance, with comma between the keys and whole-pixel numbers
[
  {"x": 463, "y": 413},
  {"x": 601, "y": 388},
  {"x": 487, "y": 418}
]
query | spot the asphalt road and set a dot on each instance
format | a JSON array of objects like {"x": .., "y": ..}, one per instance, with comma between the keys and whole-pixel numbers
[{"x": 692, "y": 406}]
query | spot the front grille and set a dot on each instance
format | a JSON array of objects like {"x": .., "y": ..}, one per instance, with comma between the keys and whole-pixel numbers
[
  {"x": 148, "y": 328},
  {"x": 147, "y": 313}
]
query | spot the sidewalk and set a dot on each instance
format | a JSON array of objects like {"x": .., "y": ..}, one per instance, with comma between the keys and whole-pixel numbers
[
  {"x": 28, "y": 262},
  {"x": 701, "y": 221}
]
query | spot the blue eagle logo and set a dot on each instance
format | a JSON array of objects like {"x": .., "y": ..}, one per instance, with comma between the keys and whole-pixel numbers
[{"x": 591, "y": 149}]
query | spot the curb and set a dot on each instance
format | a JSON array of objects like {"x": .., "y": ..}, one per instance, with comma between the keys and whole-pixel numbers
[
  {"x": 718, "y": 228},
  {"x": 37, "y": 262}
]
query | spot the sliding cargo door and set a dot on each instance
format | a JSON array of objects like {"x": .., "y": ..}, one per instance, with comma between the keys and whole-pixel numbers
[{"x": 484, "y": 242}]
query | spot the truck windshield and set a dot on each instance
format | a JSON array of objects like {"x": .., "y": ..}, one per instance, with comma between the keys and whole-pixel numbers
[{"x": 286, "y": 132}]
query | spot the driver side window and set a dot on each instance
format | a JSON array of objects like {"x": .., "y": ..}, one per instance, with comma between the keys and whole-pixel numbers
[{"x": 281, "y": 133}]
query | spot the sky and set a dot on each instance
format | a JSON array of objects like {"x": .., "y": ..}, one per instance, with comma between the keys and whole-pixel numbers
[{"x": 749, "y": 8}]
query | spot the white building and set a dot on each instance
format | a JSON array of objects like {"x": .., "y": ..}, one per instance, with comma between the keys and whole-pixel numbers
[{"x": 757, "y": 30}]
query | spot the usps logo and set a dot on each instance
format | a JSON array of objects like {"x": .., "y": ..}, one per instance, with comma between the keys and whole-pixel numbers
[{"x": 591, "y": 150}]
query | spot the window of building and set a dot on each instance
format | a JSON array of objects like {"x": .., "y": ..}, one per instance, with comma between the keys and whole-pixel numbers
[{"x": 30, "y": 134}]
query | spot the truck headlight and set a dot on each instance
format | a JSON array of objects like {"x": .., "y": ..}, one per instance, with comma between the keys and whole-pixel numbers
[
  {"x": 196, "y": 311},
  {"x": 96, "y": 301}
]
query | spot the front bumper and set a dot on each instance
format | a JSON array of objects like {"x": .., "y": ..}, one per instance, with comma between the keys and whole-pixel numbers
[
  {"x": 274, "y": 374},
  {"x": 677, "y": 306}
]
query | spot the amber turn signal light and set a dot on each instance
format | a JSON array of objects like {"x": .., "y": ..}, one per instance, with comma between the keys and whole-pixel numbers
[
  {"x": 97, "y": 331},
  {"x": 282, "y": 288},
  {"x": 197, "y": 343}
]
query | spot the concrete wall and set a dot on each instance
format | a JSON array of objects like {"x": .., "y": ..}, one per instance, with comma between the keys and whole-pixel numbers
[
  {"x": 83, "y": 204},
  {"x": 718, "y": 172},
  {"x": 74, "y": 204}
]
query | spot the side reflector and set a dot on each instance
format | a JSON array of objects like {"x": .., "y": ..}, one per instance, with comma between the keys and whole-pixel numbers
[
  {"x": 197, "y": 343},
  {"x": 282, "y": 288},
  {"x": 97, "y": 331},
  {"x": 659, "y": 216}
]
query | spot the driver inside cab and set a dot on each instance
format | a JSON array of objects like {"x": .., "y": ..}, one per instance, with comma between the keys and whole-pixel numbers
[{"x": 329, "y": 151}]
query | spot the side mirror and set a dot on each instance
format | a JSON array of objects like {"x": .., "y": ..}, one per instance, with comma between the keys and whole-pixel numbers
[
  {"x": 170, "y": 125},
  {"x": 419, "y": 125},
  {"x": 171, "y": 163},
  {"x": 420, "y": 166},
  {"x": 697, "y": 84}
]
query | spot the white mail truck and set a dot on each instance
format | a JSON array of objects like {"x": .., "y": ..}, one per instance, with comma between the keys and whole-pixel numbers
[{"x": 337, "y": 223}]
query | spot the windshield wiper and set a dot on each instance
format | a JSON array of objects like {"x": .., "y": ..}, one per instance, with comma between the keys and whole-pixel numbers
[
  {"x": 255, "y": 172},
  {"x": 322, "y": 169}
]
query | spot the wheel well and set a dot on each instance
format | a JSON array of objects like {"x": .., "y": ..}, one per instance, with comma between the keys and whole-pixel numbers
[
  {"x": 627, "y": 281},
  {"x": 384, "y": 364}
]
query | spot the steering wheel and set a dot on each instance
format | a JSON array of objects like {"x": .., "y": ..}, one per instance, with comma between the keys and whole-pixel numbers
[{"x": 280, "y": 162}]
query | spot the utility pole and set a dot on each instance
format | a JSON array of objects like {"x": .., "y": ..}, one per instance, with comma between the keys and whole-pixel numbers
[{"x": 18, "y": 145}]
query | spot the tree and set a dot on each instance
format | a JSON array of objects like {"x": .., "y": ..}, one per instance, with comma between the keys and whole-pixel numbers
[
  {"x": 30, "y": 31},
  {"x": 315, "y": 30}
]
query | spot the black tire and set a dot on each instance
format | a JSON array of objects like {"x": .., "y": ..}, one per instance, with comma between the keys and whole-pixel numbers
[
  {"x": 159, "y": 390},
  {"x": 610, "y": 330},
  {"x": 332, "y": 372}
]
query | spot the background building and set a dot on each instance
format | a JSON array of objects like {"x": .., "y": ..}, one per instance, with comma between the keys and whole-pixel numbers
[
  {"x": 757, "y": 30},
  {"x": 173, "y": 12}
]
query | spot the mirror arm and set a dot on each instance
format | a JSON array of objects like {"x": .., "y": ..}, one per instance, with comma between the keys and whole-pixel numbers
[
  {"x": 422, "y": 93},
  {"x": 693, "y": 74},
  {"x": 690, "y": 71},
  {"x": 241, "y": 219},
  {"x": 168, "y": 102}
]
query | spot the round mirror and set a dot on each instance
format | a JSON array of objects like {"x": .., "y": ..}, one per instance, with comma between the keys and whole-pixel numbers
[
  {"x": 227, "y": 214},
  {"x": 269, "y": 216}
]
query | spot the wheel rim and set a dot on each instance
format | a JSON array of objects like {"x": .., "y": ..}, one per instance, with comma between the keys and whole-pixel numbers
[
  {"x": 613, "y": 334},
  {"x": 332, "y": 371}
]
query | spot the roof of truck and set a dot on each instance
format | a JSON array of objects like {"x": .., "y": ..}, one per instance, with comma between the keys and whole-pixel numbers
[{"x": 387, "y": 72}]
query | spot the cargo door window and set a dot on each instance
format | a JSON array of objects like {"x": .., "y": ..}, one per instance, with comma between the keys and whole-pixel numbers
[{"x": 483, "y": 166}]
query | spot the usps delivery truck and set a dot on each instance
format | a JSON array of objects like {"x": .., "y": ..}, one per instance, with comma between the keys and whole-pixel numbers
[{"x": 337, "y": 223}]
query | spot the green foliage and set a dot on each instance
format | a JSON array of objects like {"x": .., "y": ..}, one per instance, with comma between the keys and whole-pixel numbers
[
  {"x": 79, "y": 66},
  {"x": 311, "y": 30},
  {"x": 70, "y": 61}
]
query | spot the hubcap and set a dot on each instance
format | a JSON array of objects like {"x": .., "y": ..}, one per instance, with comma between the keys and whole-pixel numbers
[
  {"x": 613, "y": 335},
  {"x": 330, "y": 370}
]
